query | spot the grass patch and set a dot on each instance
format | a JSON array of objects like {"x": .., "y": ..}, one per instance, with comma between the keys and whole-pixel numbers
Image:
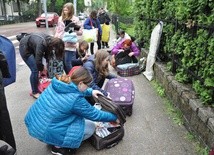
[
  {"x": 177, "y": 118},
  {"x": 199, "y": 148},
  {"x": 173, "y": 112}
]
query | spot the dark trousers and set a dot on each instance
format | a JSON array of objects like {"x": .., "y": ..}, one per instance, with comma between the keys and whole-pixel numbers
[
  {"x": 105, "y": 44},
  {"x": 98, "y": 44},
  {"x": 6, "y": 131}
]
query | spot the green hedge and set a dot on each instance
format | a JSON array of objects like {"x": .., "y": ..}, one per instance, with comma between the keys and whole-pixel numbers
[{"x": 188, "y": 34}]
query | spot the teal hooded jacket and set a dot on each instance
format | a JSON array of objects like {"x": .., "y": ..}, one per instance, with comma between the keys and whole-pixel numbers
[{"x": 58, "y": 116}]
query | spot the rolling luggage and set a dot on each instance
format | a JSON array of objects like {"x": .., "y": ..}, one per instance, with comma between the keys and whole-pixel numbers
[
  {"x": 122, "y": 92},
  {"x": 6, "y": 46},
  {"x": 115, "y": 131}
]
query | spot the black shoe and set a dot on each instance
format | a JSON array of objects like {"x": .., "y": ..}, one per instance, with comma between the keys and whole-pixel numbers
[
  {"x": 5, "y": 151},
  {"x": 72, "y": 151},
  {"x": 59, "y": 151}
]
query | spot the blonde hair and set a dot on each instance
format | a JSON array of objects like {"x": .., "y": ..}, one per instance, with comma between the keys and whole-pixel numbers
[
  {"x": 64, "y": 78},
  {"x": 70, "y": 8},
  {"x": 100, "y": 56}
]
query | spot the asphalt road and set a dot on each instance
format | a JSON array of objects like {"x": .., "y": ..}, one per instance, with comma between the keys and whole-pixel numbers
[{"x": 149, "y": 131}]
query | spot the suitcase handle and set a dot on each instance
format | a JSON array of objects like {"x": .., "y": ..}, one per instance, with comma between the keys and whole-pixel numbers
[{"x": 112, "y": 145}]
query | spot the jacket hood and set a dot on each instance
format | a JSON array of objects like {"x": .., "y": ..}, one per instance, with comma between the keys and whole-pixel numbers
[
  {"x": 63, "y": 87},
  {"x": 91, "y": 58}
]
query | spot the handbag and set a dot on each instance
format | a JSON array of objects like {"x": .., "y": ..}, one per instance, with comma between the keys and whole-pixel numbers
[
  {"x": 90, "y": 35},
  {"x": 55, "y": 66},
  {"x": 122, "y": 58}
]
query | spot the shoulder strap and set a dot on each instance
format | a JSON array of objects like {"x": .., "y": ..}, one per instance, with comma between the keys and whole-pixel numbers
[{"x": 91, "y": 22}]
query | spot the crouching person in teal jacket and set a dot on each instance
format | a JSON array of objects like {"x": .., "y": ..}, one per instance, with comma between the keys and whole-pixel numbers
[{"x": 61, "y": 116}]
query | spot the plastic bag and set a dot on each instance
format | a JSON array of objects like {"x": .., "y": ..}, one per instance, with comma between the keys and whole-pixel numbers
[{"x": 90, "y": 35}]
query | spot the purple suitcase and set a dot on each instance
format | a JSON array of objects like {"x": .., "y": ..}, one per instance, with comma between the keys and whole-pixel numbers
[{"x": 122, "y": 92}]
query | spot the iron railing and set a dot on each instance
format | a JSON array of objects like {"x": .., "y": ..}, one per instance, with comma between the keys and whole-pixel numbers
[{"x": 171, "y": 56}]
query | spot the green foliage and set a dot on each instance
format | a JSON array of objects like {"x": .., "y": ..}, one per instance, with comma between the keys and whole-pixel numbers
[
  {"x": 160, "y": 90},
  {"x": 120, "y": 7},
  {"x": 193, "y": 46},
  {"x": 199, "y": 148},
  {"x": 129, "y": 28}
]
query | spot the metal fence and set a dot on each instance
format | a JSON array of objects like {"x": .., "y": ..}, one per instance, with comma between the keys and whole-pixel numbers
[
  {"x": 4, "y": 20},
  {"x": 116, "y": 20},
  {"x": 174, "y": 58}
]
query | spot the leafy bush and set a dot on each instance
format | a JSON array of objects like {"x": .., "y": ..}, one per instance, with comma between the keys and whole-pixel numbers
[{"x": 187, "y": 34}]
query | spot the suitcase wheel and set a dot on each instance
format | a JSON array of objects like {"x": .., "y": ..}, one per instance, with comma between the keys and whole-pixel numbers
[
  {"x": 129, "y": 113},
  {"x": 112, "y": 145}
]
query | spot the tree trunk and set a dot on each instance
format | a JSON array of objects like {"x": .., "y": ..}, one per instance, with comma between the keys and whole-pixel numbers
[
  {"x": 52, "y": 7},
  {"x": 4, "y": 8},
  {"x": 39, "y": 7},
  {"x": 19, "y": 9}
]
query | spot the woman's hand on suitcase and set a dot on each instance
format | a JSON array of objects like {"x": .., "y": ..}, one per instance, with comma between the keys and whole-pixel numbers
[
  {"x": 95, "y": 93},
  {"x": 108, "y": 96},
  {"x": 118, "y": 121}
]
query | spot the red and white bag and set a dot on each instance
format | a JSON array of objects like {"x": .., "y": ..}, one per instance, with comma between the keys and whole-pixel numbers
[{"x": 44, "y": 81}]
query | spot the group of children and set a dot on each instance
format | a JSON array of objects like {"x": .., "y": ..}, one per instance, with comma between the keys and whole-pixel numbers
[{"x": 63, "y": 113}]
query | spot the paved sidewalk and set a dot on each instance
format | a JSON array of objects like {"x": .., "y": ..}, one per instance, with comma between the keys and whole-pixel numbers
[{"x": 149, "y": 131}]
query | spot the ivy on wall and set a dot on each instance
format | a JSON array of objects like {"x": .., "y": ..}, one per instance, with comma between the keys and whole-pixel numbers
[{"x": 188, "y": 34}]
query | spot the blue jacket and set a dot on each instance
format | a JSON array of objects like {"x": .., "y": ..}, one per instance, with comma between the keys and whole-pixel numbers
[
  {"x": 94, "y": 22},
  {"x": 89, "y": 65},
  {"x": 58, "y": 116}
]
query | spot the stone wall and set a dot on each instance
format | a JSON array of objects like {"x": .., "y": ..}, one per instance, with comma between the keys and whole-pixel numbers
[{"x": 197, "y": 118}]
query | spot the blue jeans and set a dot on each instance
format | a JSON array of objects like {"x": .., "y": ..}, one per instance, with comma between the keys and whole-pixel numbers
[
  {"x": 31, "y": 63},
  {"x": 89, "y": 129},
  {"x": 68, "y": 57}
]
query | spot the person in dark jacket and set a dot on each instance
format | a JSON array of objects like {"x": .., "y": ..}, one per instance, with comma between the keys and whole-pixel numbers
[
  {"x": 103, "y": 16},
  {"x": 6, "y": 131},
  {"x": 92, "y": 22},
  {"x": 33, "y": 48},
  {"x": 97, "y": 65}
]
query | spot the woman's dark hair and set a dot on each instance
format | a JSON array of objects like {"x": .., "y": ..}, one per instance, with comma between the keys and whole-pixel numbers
[
  {"x": 93, "y": 14},
  {"x": 56, "y": 45}
]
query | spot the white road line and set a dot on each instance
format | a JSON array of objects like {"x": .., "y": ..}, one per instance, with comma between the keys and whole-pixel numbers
[
  {"x": 15, "y": 41},
  {"x": 12, "y": 37}
]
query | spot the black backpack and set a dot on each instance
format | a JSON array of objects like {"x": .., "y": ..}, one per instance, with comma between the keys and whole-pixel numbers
[
  {"x": 21, "y": 35},
  {"x": 122, "y": 58}
]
